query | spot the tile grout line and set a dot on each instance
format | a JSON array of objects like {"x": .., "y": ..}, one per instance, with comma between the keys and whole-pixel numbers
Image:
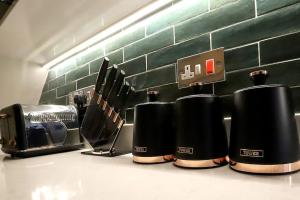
[
  {"x": 264, "y": 65},
  {"x": 210, "y": 41},
  {"x": 146, "y": 62},
  {"x": 255, "y": 7},
  {"x": 258, "y": 51},
  {"x": 150, "y": 70},
  {"x": 145, "y": 32},
  {"x": 151, "y": 87},
  {"x": 174, "y": 41}
]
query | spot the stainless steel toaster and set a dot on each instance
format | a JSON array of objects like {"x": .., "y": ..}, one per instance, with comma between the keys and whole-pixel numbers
[{"x": 29, "y": 130}]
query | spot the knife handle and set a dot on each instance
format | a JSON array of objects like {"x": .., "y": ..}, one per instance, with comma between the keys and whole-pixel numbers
[
  {"x": 125, "y": 100},
  {"x": 109, "y": 82},
  {"x": 101, "y": 75},
  {"x": 116, "y": 88},
  {"x": 121, "y": 97}
]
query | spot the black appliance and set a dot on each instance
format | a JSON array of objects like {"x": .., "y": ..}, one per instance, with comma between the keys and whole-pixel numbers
[
  {"x": 30, "y": 130},
  {"x": 201, "y": 140},
  {"x": 264, "y": 137},
  {"x": 153, "y": 132}
]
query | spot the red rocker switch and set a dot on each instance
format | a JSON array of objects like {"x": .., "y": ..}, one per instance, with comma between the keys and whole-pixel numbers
[{"x": 210, "y": 66}]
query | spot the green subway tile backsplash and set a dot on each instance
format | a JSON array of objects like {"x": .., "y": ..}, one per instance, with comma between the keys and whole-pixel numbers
[
  {"x": 148, "y": 52},
  {"x": 170, "y": 92},
  {"x": 137, "y": 97},
  {"x": 66, "y": 66},
  {"x": 134, "y": 66},
  {"x": 273, "y": 24},
  {"x": 115, "y": 57},
  {"x": 264, "y": 6},
  {"x": 283, "y": 73},
  {"x": 130, "y": 116},
  {"x": 170, "y": 54},
  {"x": 51, "y": 75},
  {"x": 219, "y": 3},
  {"x": 48, "y": 97},
  {"x": 153, "y": 78},
  {"x": 87, "y": 81},
  {"x": 95, "y": 65},
  {"x": 66, "y": 89},
  {"x": 125, "y": 39},
  {"x": 280, "y": 49},
  {"x": 57, "y": 82},
  {"x": 89, "y": 55},
  {"x": 176, "y": 14},
  {"x": 296, "y": 98},
  {"x": 224, "y": 16},
  {"x": 151, "y": 43},
  {"x": 61, "y": 101},
  {"x": 77, "y": 73},
  {"x": 241, "y": 58}
]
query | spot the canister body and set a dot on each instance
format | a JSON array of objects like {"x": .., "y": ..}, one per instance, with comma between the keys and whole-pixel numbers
[
  {"x": 264, "y": 136},
  {"x": 201, "y": 139},
  {"x": 153, "y": 133}
]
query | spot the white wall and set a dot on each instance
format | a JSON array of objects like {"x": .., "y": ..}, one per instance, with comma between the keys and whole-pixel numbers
[{"x": 20, "y": 82}]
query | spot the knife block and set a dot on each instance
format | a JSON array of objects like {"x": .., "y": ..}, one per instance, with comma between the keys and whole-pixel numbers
[{"x": 107, "y": 130}]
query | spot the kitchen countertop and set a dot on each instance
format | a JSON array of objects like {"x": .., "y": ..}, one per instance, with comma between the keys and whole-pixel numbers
[{"x": 72, "y": 175}]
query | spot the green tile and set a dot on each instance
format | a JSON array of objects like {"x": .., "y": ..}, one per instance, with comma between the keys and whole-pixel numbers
[
  {"x": 87, "y": 81},
  {"x": 177, "y": 13},
  {"x": 46, "y": 87},
  {"x": 57, "y": 82},
  {"x": 130, "y": 116},
  {"x": 95, "y": 65},
  {"x": 77, "y": 73},
  {"x": 47, "y": 97},
  {"x": 170, "y": 92},
  {"x": 273, "y": 24},
  {"x": 296, "y": 98},
  {"x": 153, "y": 78},
  {"x": 51, "y": 75},
  {"x": 264, "y": 6},
  {"x": 66, "y": 66},
  {"x": 171, "y": 54},
  {"x": 60, "y": 101},
  {"x": 134, "y": 66},
  {"x": 151, "y": 43},
  {"x": 218, "y": 18},
  {"x": 280, "y": 49},
  {"x": 284, "y": 73},
  {"x": 125, "y": 39},
  {"x": 219, "y": 3},
  {"x": 89, "y": 55},
  {"x": 66, "y": 89},
  {"x": 136, "y": 98},
  {"x": 241, "y": 58},
  {"x": 115, "y": 57}
]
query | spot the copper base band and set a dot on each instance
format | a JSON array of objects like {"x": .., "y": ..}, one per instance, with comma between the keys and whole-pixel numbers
[
  {"x": 154, "y": 159},
  {"x": 265, "y": 169},
  {"x": 201, "y": 163}
]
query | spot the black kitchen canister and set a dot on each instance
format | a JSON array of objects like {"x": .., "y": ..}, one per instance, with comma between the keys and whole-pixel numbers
[
  {"x": 201, "y": 140},
  {"x": 264, "y": 138},
  {"x": 153, "y": 132}
]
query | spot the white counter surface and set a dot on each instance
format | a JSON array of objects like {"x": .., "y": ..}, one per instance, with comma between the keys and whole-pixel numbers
[{"x": 72, "y": 175}]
